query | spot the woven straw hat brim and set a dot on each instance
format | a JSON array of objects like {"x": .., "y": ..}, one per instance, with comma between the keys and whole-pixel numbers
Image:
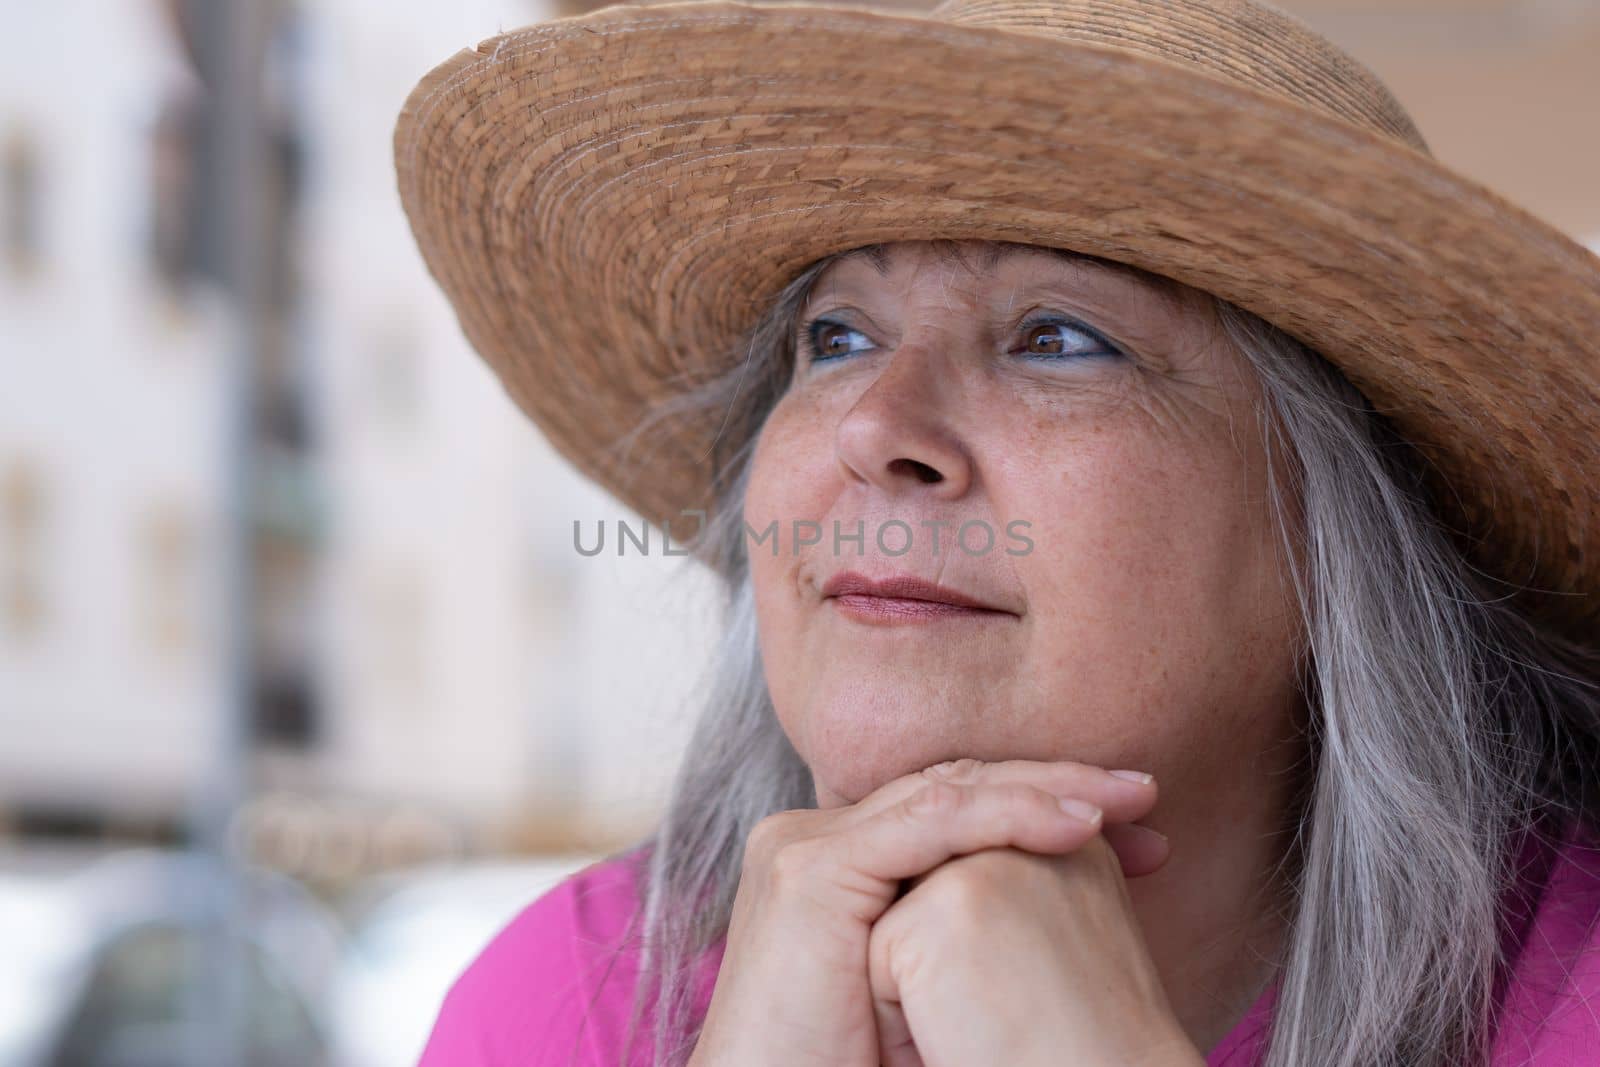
[{"x": 609, "y": 201}]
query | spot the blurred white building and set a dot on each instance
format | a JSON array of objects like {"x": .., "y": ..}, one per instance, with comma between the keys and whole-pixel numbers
[
  {"x": 460, "y": 659},
  {"x": 110, "y": 429},
  {"x": 475, "y": 657}
]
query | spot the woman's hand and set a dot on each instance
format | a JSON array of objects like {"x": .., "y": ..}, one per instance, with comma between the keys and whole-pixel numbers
[
  {"x": 1006, "y": 956},
  {"x": 793, "y": 988}
]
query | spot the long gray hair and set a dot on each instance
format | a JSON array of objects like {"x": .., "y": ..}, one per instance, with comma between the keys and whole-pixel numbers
[{"x": 1444, "y": 726}]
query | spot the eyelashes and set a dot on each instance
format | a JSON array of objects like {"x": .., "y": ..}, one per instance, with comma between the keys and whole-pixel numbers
[
  {"x": 1054, "y": 321},
  {"x": 811, "y": 344},
  {"x": 816, "y": 344}
]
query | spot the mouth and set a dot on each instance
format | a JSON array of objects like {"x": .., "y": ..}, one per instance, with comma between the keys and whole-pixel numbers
[{"x": 904, "y": 598}]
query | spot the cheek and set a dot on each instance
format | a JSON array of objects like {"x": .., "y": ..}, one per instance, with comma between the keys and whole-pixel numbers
[
  {"x": 789, "y": 470},
  {"x": 793, "y": 481},
  {"x": 1116, "y": 511},
  {"x": 1153, "y": 571},
  {"x": 787, "y": 483}
]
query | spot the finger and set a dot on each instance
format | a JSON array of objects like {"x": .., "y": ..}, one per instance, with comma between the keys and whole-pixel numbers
[
  {"x": 944, "y": 819},
  {"x": 1122, "y": 800},
  {"x": 1141, "y": 849},
  {"x": 895, "y": 1046}
]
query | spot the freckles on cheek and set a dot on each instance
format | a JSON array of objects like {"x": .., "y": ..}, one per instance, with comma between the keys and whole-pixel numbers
[
  {"x": 788, "y": 475},
  {"x": 1124, "y": 541}
]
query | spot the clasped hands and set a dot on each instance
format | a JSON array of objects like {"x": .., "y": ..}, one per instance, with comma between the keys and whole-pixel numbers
[{"x": 992, "y": 917}]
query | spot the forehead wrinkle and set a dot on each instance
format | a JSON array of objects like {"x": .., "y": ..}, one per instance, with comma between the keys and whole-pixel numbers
[
  {"x": 951, "y": 252},
  {"x": 877, "y": 255}
]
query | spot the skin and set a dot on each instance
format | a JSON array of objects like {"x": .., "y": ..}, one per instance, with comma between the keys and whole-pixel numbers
[{"x": 1151, "y": 626}]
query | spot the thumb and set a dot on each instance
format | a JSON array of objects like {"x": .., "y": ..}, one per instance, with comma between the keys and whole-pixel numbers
[{"x": 896, "y": 1048}]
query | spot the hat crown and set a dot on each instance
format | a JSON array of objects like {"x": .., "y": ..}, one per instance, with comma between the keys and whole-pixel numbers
[{"x": 1241, "y": 41}]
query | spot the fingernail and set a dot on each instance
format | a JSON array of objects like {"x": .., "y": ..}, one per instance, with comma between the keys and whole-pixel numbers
[
  {"x": 1079, "y": 809},
  {"x": 1133, "y": 776}
]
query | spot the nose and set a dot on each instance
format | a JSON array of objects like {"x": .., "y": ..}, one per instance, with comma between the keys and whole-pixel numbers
[{"x": 899, "y": 436}]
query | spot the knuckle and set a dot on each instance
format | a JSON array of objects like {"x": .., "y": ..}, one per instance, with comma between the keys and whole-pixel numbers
[
  {"x": 1031, "y": 808},
  {"x": 765, "y": 832},
  {"x": 1027, "y": 801},
  {"x": 963, "y": 895},
  {"x": 767, "y": 837},
  {"x": 791, "y": 863},
  {"x": 937, "y": 798},
  {"x": 956, "y": 769},
  {"x": 1045, "y": 799}
]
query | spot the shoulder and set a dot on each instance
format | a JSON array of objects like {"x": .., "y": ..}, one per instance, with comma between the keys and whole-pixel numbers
[
  {"x": 551, "y": 986},
  {"x": 1550, "y": 1015}
]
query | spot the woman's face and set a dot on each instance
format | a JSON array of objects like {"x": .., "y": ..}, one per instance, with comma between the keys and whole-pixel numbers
[{"x": 1140, "y": 613}]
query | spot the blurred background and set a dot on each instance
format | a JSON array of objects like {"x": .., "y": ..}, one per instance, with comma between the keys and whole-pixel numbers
[{"x": 304, "y": 690}]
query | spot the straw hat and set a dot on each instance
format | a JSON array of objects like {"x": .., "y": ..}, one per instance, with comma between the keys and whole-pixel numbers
[{"x": 610, "y": 200}]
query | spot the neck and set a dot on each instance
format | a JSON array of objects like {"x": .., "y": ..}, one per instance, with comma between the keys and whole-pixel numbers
[{"x": 1216, "y": 917}]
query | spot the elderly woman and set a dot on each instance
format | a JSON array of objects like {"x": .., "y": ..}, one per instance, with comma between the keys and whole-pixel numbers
[{"x": 1157, "y": 507}]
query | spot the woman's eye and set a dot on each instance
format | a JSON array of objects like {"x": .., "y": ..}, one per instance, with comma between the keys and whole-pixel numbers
[
  {"x": 1043, "y": 339},
  {"x": 1049, "y": 339},
  {"x": 827, "y": 340}
]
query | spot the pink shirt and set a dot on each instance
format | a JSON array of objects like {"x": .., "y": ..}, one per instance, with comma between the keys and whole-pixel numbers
[{"x": 521, "y": 1002}]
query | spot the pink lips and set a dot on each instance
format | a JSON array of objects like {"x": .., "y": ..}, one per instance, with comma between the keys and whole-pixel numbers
[{"x": 903, "y": 599}]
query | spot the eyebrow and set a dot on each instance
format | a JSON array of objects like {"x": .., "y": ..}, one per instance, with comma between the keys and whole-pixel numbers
[
  {"x": 1160, "y": 286},
  {"x": 878, "y": 256}
]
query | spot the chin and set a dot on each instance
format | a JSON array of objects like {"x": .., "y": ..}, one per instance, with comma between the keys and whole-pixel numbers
[{"x": 854, "y": 771}]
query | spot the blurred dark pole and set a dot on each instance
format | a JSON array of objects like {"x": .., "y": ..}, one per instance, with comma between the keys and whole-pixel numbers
[{"x": 229, "y": 47}]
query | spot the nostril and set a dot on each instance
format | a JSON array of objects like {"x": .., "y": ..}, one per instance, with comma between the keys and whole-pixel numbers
[{"x": 918, "y": 469}]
